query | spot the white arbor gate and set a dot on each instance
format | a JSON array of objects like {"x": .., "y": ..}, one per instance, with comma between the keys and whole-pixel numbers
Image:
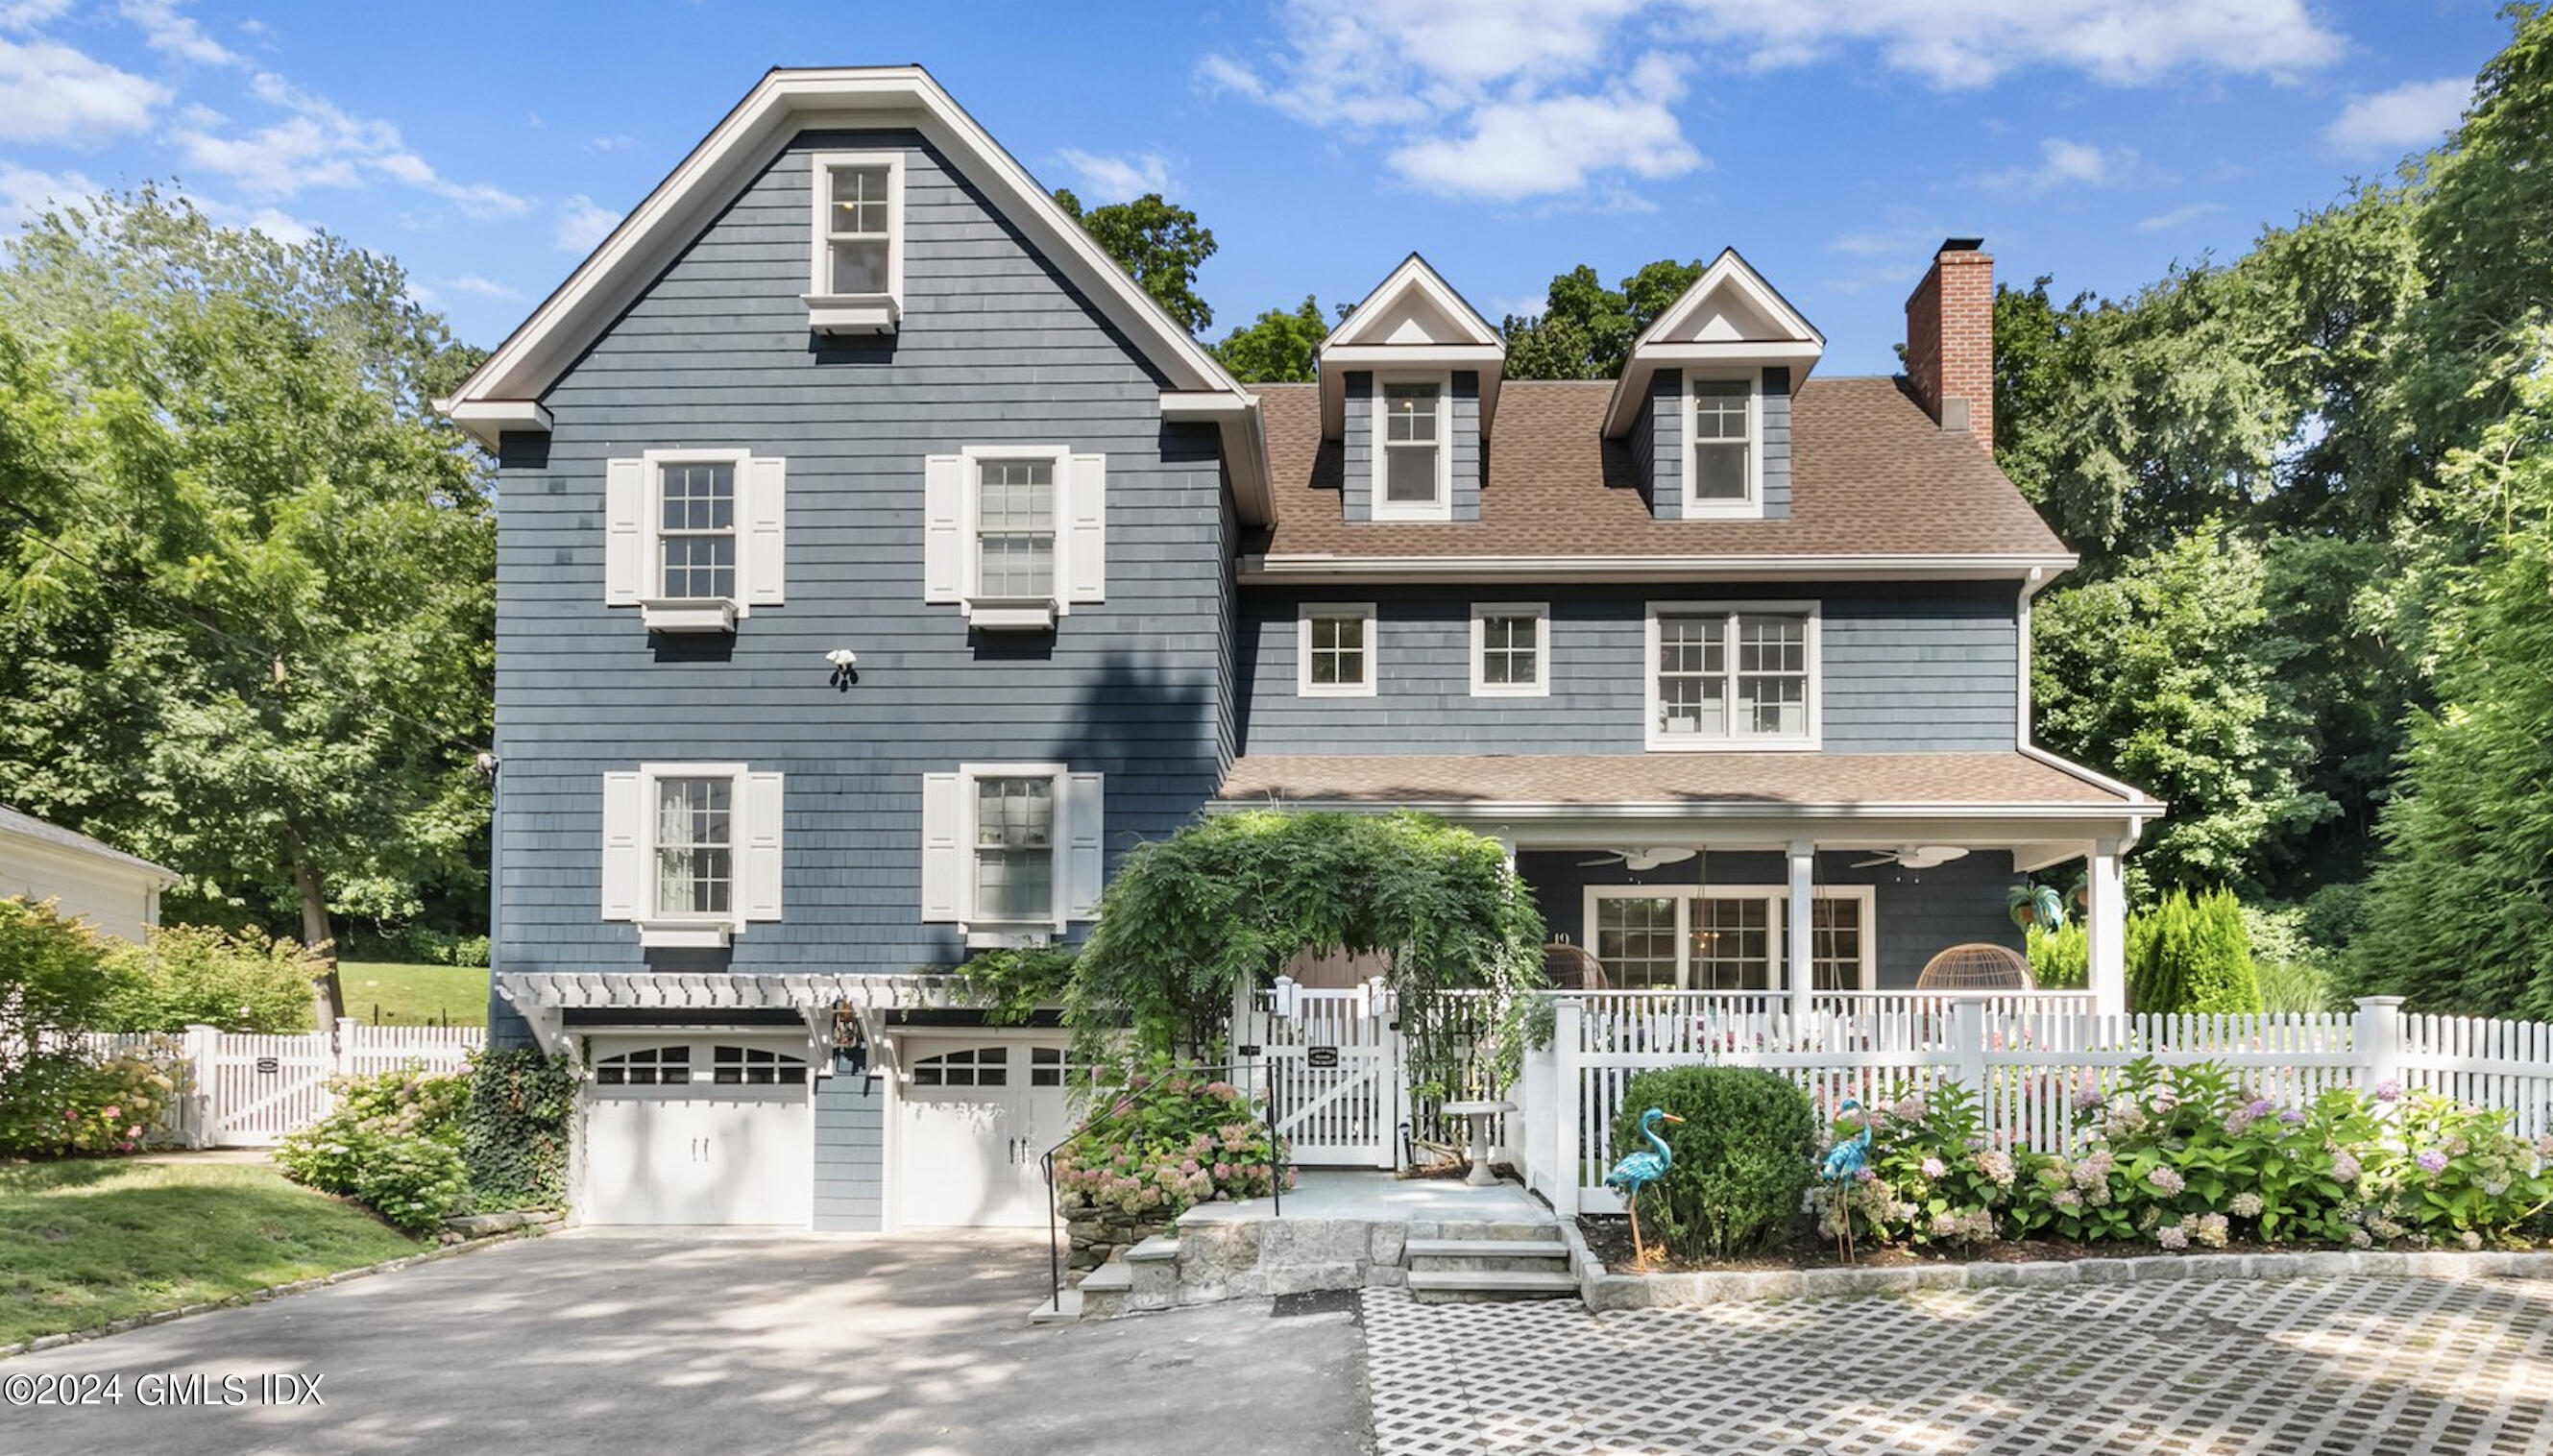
[{"x": 1331, "y": 1064}]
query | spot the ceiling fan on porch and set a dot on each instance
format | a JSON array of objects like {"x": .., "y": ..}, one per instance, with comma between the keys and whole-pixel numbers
[
  {"x": 1637, "y": 860},
  {"x": 1913, "y": 856}
]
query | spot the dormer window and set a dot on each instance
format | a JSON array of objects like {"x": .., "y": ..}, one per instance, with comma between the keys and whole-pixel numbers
[
  {"x": 1726, "y": 468},
  {"x": 1410, "y": 464},
  {"x": 858, "y": 284}
]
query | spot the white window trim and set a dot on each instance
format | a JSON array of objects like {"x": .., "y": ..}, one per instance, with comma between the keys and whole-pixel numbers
[
  {"x": 1776, "y": 929},
  {"x": 995, "y": 613},
  {"x": 694, "y": 614},
  {"x": 1540, "y": 687},
  {"x": 1305, "y": 687},
  {"x": 1663, "y": 742},
  {"x": 1751, "y": 507},
  {"x": 984, "y": 934},
  {"x": 855, "y": 313},
  {"x": 1442, "y": 508},
  {"x": 691, "y": 932}
]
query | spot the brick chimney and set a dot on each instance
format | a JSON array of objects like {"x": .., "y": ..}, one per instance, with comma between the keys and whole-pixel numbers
[{"x": 1949, "y": 339}]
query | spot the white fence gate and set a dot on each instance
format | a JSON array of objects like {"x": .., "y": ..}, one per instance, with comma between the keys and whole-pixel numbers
[
  {"x": 247, "y": 1090},
  {"x": 1331, "y": 1064}
]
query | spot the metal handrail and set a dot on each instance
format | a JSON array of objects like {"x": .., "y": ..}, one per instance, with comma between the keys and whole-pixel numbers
[{"x": 1119, "y": 1104}]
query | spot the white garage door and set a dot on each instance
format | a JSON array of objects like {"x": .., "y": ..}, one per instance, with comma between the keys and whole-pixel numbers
[
  {"x": 713, "y": 1132},
  {"x": 975, "y": 1120}
]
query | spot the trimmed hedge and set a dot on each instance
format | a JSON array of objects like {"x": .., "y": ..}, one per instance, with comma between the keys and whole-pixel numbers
[{"x": 1742, "y": 1157}]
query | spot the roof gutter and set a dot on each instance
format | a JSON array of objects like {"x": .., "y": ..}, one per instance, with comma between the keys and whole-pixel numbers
[
  {"x": 1278, "y": 568},
  {"x": 1237, "y": 417}
]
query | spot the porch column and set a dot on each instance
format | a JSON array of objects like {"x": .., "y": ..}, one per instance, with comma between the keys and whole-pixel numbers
[
  {"x": 1804, "y": 864},
  {"x": 2105, "y": 927}
]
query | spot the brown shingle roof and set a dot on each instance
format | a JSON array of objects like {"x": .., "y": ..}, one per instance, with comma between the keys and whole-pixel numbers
[
  {"x": 1870, "y": 475},
  {"x": 1772, "y": 779}
]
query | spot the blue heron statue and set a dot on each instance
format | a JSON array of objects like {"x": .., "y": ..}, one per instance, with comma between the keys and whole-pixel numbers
[
  {"x": 1638, "y": 1169},
  {"x": 1846, "y": 1162}
]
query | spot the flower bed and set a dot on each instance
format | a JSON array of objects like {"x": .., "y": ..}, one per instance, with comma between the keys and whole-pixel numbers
[{"x": 1175, "y": 1138}]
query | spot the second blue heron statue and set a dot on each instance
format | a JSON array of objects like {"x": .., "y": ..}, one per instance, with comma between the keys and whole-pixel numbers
[
  {"x": 1638, "y": 1169},
  {"x": 1846, "y": 1162}
]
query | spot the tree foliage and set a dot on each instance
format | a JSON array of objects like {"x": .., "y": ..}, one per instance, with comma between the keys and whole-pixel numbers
[
  {"x": 246, "y": 598},
  {"x": 1276, "y": 347},
  {"x": 1233, "y": 898},
  {"x": 2192, "y": 954},
  {"x": 1159, "y": 242},
  {"x": 1584, "y": 330}
]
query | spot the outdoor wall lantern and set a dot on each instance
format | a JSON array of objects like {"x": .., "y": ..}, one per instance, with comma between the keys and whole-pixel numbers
[
  {"x": 850, "y": 1044},
  {"x": 846, "y": 667}
]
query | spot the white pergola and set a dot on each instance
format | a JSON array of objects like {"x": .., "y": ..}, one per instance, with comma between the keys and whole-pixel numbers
[{"x": 543, "y": 999}]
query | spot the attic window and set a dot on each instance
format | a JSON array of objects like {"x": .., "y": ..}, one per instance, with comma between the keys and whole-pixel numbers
[
  {"x": 857, "y": 277},
  {"x": 1413, "y": 475},
  {"x": 1725, "y": 467}
]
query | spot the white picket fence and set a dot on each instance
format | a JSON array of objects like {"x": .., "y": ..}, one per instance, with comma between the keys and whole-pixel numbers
[
  {"x": 244, "y": 1091},
  {"x": 2028, "y": 1057}
]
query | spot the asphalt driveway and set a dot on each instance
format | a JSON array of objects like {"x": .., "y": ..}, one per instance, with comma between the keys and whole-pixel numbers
[{"x": 630, "y": 1345}]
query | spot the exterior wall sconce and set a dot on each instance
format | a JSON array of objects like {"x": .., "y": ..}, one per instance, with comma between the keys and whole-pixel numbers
[{"x": 846, "y": 667}]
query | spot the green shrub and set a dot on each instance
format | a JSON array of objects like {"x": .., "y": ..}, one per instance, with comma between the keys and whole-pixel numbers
[
  {"x": 2191, "y": 954},
  {"x": 516, "y": 1127},
  {"x": 73, "y": 1102},
  {"x": 1741, "y": 1160},
  {"x": 392, "y": 1143},
  {"x": 1172, "y": 1138},
  {"x": 187, "y": 974},
  {"x": 2061, "y": 959}
]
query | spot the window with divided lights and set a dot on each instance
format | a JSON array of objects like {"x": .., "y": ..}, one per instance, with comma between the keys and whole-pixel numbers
[
  {"x": 1014, "y": 849},
  {"x": 694, "y": 847},
  {"x": 859, "y": 228},
  {"x": 1836, "y": 950},
  {"x": 1732, "y": 677},
  {"x": 755, "y": 1067},
  {"x": 1410, "y": 454},
  {"x": 1051, "y": 1067},
  {"x": 1510, "y": 657},
  {"x": 1723, "y": 446},
  {"x": 652, "y": 1066},
  {"x": 1335, "y": 647},
  {"x": 1727, "y": 937},
  {"x": 1015, "y": 529},
  {"x": 1635, "y": 941},
  {"x": 967, "y": 1066},
  {"x": 696, "y": 530},
  {"x": 1732, "y": 943}
]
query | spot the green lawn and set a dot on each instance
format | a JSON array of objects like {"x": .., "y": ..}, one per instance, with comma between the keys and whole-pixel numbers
[
  {"x": 414, "y": 996},
  {"x": 86, "y": 1241}
]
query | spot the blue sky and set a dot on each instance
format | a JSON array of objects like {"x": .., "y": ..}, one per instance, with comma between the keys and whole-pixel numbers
[{"x": 1833, "y": 141}]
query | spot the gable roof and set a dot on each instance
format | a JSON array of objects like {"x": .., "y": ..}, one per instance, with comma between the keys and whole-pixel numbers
[
  {"x": 1730, "y": 313},
  {"x": 1877, "y": 489},
  {"x": 504, "y": 391},
  {"x": 1412, "y": 317},
  {"x": 29, "y": 827}
]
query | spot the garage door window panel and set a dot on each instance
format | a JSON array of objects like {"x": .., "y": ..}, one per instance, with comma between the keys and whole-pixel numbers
[
  {"x": 969, "y": 1066},
  {"x": 647, "y": 1066},
  {"x": 755, "y": 1067}
]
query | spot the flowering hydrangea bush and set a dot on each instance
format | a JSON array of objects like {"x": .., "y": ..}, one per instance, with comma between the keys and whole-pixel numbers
[
  {"x": 1174, "y": 1137},
  {"x": 2189, "y": 1157},
  {"x": 392, "y": 1143},
  {"x": 69, "y": 1106}
]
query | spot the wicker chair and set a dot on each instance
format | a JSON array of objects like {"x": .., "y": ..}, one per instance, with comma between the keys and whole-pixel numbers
[
  {"x": 1977, "y": 967},
  {"x": 1570, "y": 968}
]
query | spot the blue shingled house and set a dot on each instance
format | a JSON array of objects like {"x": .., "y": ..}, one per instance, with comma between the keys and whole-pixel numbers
[{"x": 877, "y": 563}]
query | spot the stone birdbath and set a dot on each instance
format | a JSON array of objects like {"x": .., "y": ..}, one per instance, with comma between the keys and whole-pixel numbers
[{"x": 1480, "y": 1113}]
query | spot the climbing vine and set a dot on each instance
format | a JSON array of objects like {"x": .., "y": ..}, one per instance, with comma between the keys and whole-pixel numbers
[{"x": 1236, "y": 896}]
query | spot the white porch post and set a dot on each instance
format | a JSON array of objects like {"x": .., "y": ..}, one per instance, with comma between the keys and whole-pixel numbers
[
  {"x": 1804, "y": 864},
  {"x": 2105, "y": 929}
]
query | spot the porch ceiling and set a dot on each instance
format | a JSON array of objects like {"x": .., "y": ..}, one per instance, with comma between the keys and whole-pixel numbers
[{"x": 1769, "y": 786}]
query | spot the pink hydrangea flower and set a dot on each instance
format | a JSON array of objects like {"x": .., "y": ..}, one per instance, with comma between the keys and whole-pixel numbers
[
  {"x": 112, "y": 1112},
  {"x": 2166, "y": 1182},
  {"x": 2173, "y": 1236},
  {"x": 2433, "y": 1161},
  {"x": 1933, "y": 1167},
  {"x": 2343, "y": 1167},
  {"x": 2388, "y": 1090}
]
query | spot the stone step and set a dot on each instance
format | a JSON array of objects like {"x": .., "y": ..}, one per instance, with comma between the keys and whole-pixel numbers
[
  {"x": 1463, "y": 1285},
  {"x": 1531, "y": 1232},
  {"x": 1160, "y": 1247},
  {"x": 1485, "y": 1249}
]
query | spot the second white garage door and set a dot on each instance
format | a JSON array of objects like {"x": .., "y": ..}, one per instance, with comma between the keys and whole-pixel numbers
[
  {"x": 974, "y": 1121},
  {"x": 707, "y": 1133}
]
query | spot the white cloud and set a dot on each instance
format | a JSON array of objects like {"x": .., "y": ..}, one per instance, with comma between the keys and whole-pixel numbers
[
  {"x": 2063, "y": 163},
  {"x": 26, "y": 193},
  {"x": 175, "y": 34},
  {"x": 581, "y": 225},
  {"x": 1114, "y": 178},
  {"x": 2413, "y": 116},
  {"x": 320, "y": 145},
  {"x": 614, "y": 143},
  {"x": 1444, "y": 83},
  {"x": 26, "y": 15},
  {"x": 477, "y": 287},
  {"x": 2163, "y": 222},
  {"x": 50, "y": 93}
]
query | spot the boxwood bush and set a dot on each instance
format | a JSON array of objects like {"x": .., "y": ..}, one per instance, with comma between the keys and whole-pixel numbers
[{"x": 1742, "y": 1157}]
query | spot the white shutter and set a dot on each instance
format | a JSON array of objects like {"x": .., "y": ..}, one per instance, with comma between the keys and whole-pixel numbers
[
  {"x": 766, "y": 504},
  {"x": 1086, "y": 829},
  {"x": 624, "y": 846},
  {"x": 758, "y": 871},
  {"x": 944, "y": 821},
  {"x": 624, "y": 532},
  {"x": 1086, "y": 552},
  {"x": 943, "y": 528}
]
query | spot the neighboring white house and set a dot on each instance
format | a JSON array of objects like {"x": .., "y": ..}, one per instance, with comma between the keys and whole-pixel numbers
[{"x": 116, "y": 892}]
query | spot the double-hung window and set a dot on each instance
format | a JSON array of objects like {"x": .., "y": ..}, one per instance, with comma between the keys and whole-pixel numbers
[
  {"x": 1334, "y": 650},
  {"x": 1015, "y": 529},
  {"x": 1015, "y": 535},
  {"x": 1412, "y": 472},
  {"x": 696, "y": 530},
  {"x": 1732, "y": 677},
  {"x": 691, "y": 851},
  {"x": 858, "y": 275},
  {"x": 1510, "y": 649},
  {"x": 694, "y": 538},
  {"x": 1011, "y": 851},
  {"x": 1723, "y": 455},
  {"x": 1727, "y": 938}
]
